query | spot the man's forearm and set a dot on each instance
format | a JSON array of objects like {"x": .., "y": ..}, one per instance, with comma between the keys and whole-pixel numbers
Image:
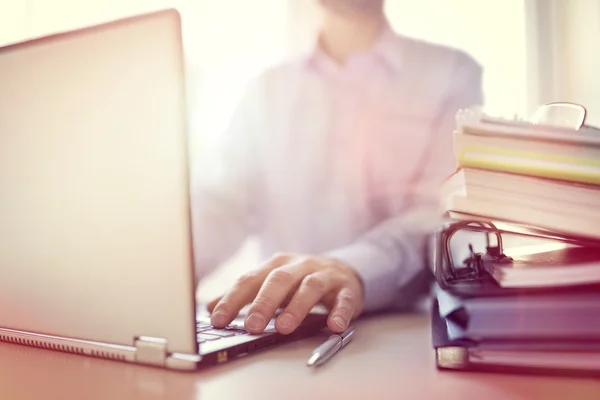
[{"x": 390, "y": 259}]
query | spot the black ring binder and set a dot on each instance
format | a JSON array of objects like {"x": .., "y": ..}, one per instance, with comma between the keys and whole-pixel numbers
[{"x": 471, "y": 280}]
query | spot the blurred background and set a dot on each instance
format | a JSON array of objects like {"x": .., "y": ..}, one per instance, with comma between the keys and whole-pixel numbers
[{"x": 532, "y": 51}]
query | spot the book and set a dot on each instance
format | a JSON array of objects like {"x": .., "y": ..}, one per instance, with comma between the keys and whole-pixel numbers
[
  {"x": 502, "y": 186},
  {"x": 564, "y": 222},
  {"x": 563, "y": 207},
  {"x": 528, "y": 149}
]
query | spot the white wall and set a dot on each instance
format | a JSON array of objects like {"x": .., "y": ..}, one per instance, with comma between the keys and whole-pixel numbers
[
  {"x": 13, "y": 20},
  {"x": 568, "y": 61},
  {"x": 582, "y": 55}
]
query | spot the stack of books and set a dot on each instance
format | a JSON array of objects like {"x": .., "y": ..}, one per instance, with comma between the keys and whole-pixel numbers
[
  {"x": 536, "y": 311},
  {"x": 535, "y": 175}
]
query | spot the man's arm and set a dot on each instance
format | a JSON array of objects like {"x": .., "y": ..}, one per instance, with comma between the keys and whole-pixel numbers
[
  {"x": 390, "y": 258},
  {"x": 224, "y": 187}
]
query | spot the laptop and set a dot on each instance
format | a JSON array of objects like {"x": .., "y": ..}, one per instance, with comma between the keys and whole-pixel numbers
[{"x": 96, "y": 254}]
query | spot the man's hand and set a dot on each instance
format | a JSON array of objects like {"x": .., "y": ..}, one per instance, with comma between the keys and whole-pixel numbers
[{"x": 298, "y": 283}]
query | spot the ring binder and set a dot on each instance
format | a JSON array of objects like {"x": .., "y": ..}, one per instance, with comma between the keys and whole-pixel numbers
[{"x": 471, "y": 279}]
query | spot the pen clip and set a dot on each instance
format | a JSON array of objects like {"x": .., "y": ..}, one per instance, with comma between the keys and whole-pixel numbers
[{"x": 347, "y": 335}]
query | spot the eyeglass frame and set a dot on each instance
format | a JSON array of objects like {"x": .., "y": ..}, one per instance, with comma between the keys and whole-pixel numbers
[{"x": 540, "y": 109}]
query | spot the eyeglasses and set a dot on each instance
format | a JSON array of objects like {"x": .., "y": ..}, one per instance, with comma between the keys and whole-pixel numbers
[{"x": 560, "y": 114}]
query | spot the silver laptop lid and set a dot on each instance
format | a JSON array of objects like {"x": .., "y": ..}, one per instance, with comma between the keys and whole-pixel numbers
[{"x": 94, "y": 208}]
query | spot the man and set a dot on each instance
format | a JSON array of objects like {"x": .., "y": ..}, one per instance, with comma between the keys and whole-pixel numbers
[{"x": 334, "y": 162}]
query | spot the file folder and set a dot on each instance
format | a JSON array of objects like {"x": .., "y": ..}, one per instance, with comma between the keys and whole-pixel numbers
[{"x": 574, "y": 358}]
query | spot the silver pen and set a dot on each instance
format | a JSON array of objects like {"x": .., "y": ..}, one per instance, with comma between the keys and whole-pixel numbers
[{"x": 331, "y": 346}]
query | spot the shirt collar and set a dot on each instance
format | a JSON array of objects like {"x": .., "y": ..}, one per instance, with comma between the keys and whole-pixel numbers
[{"x": 387, "y": 48}]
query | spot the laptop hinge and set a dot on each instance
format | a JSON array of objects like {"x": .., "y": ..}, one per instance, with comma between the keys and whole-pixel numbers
[{"x": 151, "y": 351}]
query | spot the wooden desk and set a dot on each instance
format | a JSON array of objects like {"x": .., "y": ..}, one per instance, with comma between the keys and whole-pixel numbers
[{"x": 391, "y": 357}]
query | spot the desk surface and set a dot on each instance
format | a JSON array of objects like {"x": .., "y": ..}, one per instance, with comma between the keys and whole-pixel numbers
[{"x": 391, "y": 357}]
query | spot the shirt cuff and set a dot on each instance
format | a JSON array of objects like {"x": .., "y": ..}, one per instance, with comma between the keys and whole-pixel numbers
[{"x": 378, "y": 271}]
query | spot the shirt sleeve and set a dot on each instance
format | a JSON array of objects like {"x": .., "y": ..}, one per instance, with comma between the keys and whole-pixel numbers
[
  {"x": 390, "y": 259},
  {"x": 224, "y": 185}
]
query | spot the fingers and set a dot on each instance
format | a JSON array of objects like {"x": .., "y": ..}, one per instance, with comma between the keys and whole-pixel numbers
[
  {"x": 312, "y": 289},
  {"x": 301, "y": 283},
  {"x": 242, "y": 293},
  {"x": 345, "y": 307},
  {"x": 277, "y": 286},
  {"x": 211, "y": 305}
]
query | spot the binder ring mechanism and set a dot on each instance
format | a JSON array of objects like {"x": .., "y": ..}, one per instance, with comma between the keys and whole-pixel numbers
[
  {"x": 471, "y": 278},
  {"x": 446, "y": 272}
]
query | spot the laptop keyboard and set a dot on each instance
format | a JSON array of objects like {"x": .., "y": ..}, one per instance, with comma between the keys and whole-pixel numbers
[{"x": 205, "y": 332}]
